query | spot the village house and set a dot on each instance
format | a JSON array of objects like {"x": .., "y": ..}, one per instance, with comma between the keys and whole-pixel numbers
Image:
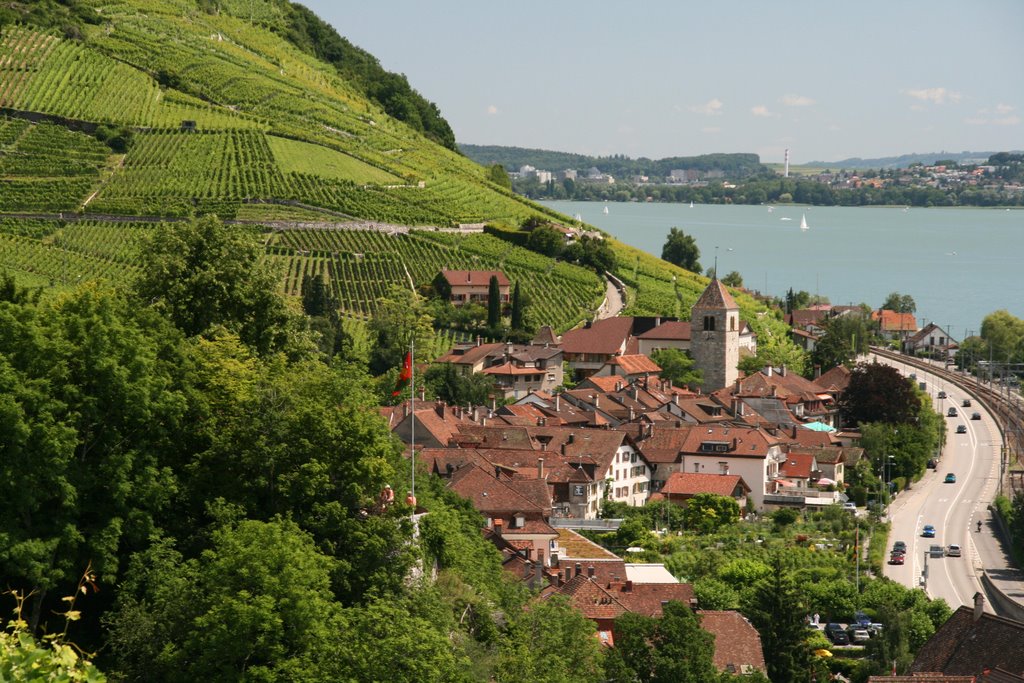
[
  {"x": 517, "y": 369},
  {"x": 587, "y": 349},
  {"x": 931, "y": 341},
  {"x": 682, "y": 486},
  {"x": 470, "y": 286},
  {"x": 894, "y": 326},
  {"x": 737, "y": 643}
]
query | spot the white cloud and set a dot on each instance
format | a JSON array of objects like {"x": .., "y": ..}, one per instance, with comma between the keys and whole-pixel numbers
[
  {"x": 1003, "y": 109},
  {"x": 796, "y": 101},
  {"x": 492, "y": 110},
  {"x": 761, "y": 110},
  {"x": 710, "y": 108},
  {"x": 1007, "y": 121},
  {"x": 935, "y": 95}
]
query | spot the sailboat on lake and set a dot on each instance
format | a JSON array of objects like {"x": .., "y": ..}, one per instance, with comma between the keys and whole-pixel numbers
[{"x": 803, "y": 222}]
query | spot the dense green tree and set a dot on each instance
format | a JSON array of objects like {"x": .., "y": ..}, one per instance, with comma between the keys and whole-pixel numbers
[
  {"x": 901, "y": 303},
  {"x": 496, "y": 174},
  {"x": 516, "y": 320},
  {"x": 677, "y": 366},
  {"x": 399, "y": 319},
  {"x": 551, "y": 641},
  {"x": 493, "y": 303},
  {"x": 672, "y": 649},
  {"x": 681, "y": 249},
  {"x": 777, "y": 609},
  {"x": 455, "y": 388},
  {"x": 544, "y": 239},
  {"x": 715, "y": 594},
  {"x": 845, "y": 337},
  {"x": 203, "y": 274},
  {"x": 707, "y": 512},
  {"x": 878, "y": 393},
  {"x": 1003, "y": 336},
  {"x": 733, "y": 279},
  {"x": 317, "y": 299}
]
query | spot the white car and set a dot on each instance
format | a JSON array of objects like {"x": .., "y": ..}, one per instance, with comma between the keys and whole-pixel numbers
[
  {"x": 850, "y": 506},
  {"x": 953, "y": 550}
]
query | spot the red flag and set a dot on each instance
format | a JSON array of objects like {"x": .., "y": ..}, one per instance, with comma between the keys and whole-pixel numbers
[{"x": 404, "y": 376}]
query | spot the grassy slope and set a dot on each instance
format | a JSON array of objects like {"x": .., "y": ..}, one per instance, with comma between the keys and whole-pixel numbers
[{"x": 275, "y": 124}]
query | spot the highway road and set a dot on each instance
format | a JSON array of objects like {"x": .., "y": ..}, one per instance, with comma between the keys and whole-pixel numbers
[{"x": 952, "y": 508}]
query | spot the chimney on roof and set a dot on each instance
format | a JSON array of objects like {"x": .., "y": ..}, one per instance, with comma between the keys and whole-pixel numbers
[
  {"x": 563, "y": 448},
  {"x": 817, "y": 371},
  {"x": 588, "y": 324},
  {"x": 558, "y": 402},
  {"x": 476, "y": 413},
  {"x": 675, "y": 399},
  {"x": 979, "y": 605},
  {"x": 497, "y": 527},
  {"x": 579, "y": 569},
  {"x": 572, "y": 437},
  {"x": 773, "y": 391},
  {"x": 679, "y": 424},
  {"x": 538, "y": 574},
  {"x": 768, "y": 370},
  {"x": 629, "y": 586},
  {"x": 469, "y": 276},
  {"x": 568, "y": 574},
  {"x": 783, "y": 371},
  {"x": 635, "y": 393},
  {"x": 618, "y": 386},
  {"x": 590, "y": 571},
  {"x": 497, "y": 472},
  {"x": 483, "y": 421},
  {"x": 540, "y": 468},
  {"x": 632, "y": 414},
  {"x": 479, "y": 340},
  {"x": 439, "y": 409}
]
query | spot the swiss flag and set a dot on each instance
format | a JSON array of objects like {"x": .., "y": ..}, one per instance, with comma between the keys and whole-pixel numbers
[{"x": 404, "y": 376}]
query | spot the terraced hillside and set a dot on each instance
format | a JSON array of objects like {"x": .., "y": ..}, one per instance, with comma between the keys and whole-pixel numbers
[{"x": 156, "y": 109}]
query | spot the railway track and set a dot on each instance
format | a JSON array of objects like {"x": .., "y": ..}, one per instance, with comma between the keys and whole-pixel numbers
[{"x": 1007, "y": 408}]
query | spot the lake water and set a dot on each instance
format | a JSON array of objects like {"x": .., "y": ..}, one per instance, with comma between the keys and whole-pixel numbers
[{"x": 958, "y": 264}]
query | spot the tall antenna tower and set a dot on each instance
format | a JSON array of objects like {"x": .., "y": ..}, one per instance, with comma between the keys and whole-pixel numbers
[{"x": 785, "y": 173}]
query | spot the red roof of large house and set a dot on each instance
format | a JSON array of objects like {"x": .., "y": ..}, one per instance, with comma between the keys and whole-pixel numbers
[
  {"x": 677, "y": 330},
  {"x": 891, "y": 321},
  {"x": 692, "y": 483},
  {"x": 475, "y": 278},
  {"x": 605, "y": 337},
  {"x": 798, "y": 465},
  {"x": 636, "y": 364},
  {"x": 737, "y": 642}
]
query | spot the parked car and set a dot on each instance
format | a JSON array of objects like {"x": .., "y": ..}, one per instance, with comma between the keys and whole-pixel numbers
[
  {"x": 899, "y": 547},
  {"x": 975, "y": 416},
  {"x": 928, "y": 531},
  {"x": 961, "y": 429},
  {"x": 966, "y": 403},
  {"x": 836, "y": 634},
  {"x": 896, "y": 558},
  {"x": 858, "y": 634},
  {"x": 861, "y": 619},
  {"x": 950, "y": 478},
  {"x": 951, "y": 412},
  {"x": 850, "y": 506},
  {"x": 953, "y": 550},
  {"x": 942, "y": 394},
  {"x": 936, "y": 551},
  {"x": 913, "y": 375},
  {"x": 932, "y": 463}
]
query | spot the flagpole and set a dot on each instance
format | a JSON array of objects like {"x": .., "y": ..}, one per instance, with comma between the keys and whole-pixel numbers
[{"x": 412, "y": 365}]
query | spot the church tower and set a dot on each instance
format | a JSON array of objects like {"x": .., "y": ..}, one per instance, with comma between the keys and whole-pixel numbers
[{"x": 715, "y": 337}]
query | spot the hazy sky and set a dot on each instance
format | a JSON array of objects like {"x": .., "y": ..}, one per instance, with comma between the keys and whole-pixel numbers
[{"x": 827, "y": 79}]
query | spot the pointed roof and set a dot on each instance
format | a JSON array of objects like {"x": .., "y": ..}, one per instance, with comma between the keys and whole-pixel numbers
[{"x": 716, "y": 296}]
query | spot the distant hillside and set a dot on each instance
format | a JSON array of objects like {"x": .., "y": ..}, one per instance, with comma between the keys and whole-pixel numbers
[
  {"x": 620, "y": 166},
  {"x": 904, "y": 160}
]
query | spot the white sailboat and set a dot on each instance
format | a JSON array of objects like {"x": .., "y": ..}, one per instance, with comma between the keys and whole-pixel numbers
[
  {"x": 606, "y": 209},
  {"x": 803, "y": 222},
  {"x": 691, "y": 203}
]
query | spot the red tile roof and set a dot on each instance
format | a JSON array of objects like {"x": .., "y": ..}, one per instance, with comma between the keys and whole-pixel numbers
[
  {"x": 798, "y": 465},
  {"x": 476, "y": 278},
  {"x": 836, "y": 379},
  {"x": 891, "y": 321},
  {"x": 692, "y": 483},
  {"x": 737, "y": 642},
  {"x": 604, "y": 337},
  {"x": 964, "y": 646},
  {"x": 593, "y": 601},
  {"x": 678, "y": 330},
  {"x": 637, "y": 364},
  {"x": 647, "y": 598}
]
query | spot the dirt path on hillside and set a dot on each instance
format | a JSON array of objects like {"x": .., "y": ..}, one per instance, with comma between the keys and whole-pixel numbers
[{"x": 614, "y": 301}]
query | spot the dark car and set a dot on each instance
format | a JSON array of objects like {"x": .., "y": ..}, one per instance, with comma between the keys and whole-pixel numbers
[
  {"x": 928, "y": 531},
  {"x": 961, "y": 429},
  {"x": 975, "y": 416},
  {"x": 899, "y": 547},
  {"x": 942, "y": 394},
  {"x": 966, "y": 403},
  {"x": 896, "y": 558},
  {"x": 932, "y": 463},
  {"x": 951, "y": 412},
  {"x": 837, "y": 634}
]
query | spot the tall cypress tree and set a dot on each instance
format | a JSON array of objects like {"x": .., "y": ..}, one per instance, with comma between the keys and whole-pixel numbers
[
  {"x": 777, "y": 612},
  {"x": 493, "y": 304},
  {"x": 517, "y": 309}
]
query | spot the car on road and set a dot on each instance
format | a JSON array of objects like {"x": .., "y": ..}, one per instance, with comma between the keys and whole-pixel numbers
[
  {"x": 951, "y": 412},
  {"x": 858, "y": 634},
  {"x": 936, "y": 551},
  {"x": 961, "y": 429},
  {"x": 837, "y": 634},
  {"x": 942, "y": 394},
  {"x": 953, "y": 550},
  {"x": 932, "y": 463},
  {"x": 928, "y": 531},
  {"x": 899, "y": 547},
  {"x": 913, "y": 375},
  {"x": 896, "y": 558},
  {"x": 975, "y": 416},
  {"x": 950, "y": 479},
  {"x": 850, "y": 506},
  {"x": 966, "y": 403}
]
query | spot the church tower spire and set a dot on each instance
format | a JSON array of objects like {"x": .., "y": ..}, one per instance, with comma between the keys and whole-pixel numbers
[{"x": 715, "y": 336}]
